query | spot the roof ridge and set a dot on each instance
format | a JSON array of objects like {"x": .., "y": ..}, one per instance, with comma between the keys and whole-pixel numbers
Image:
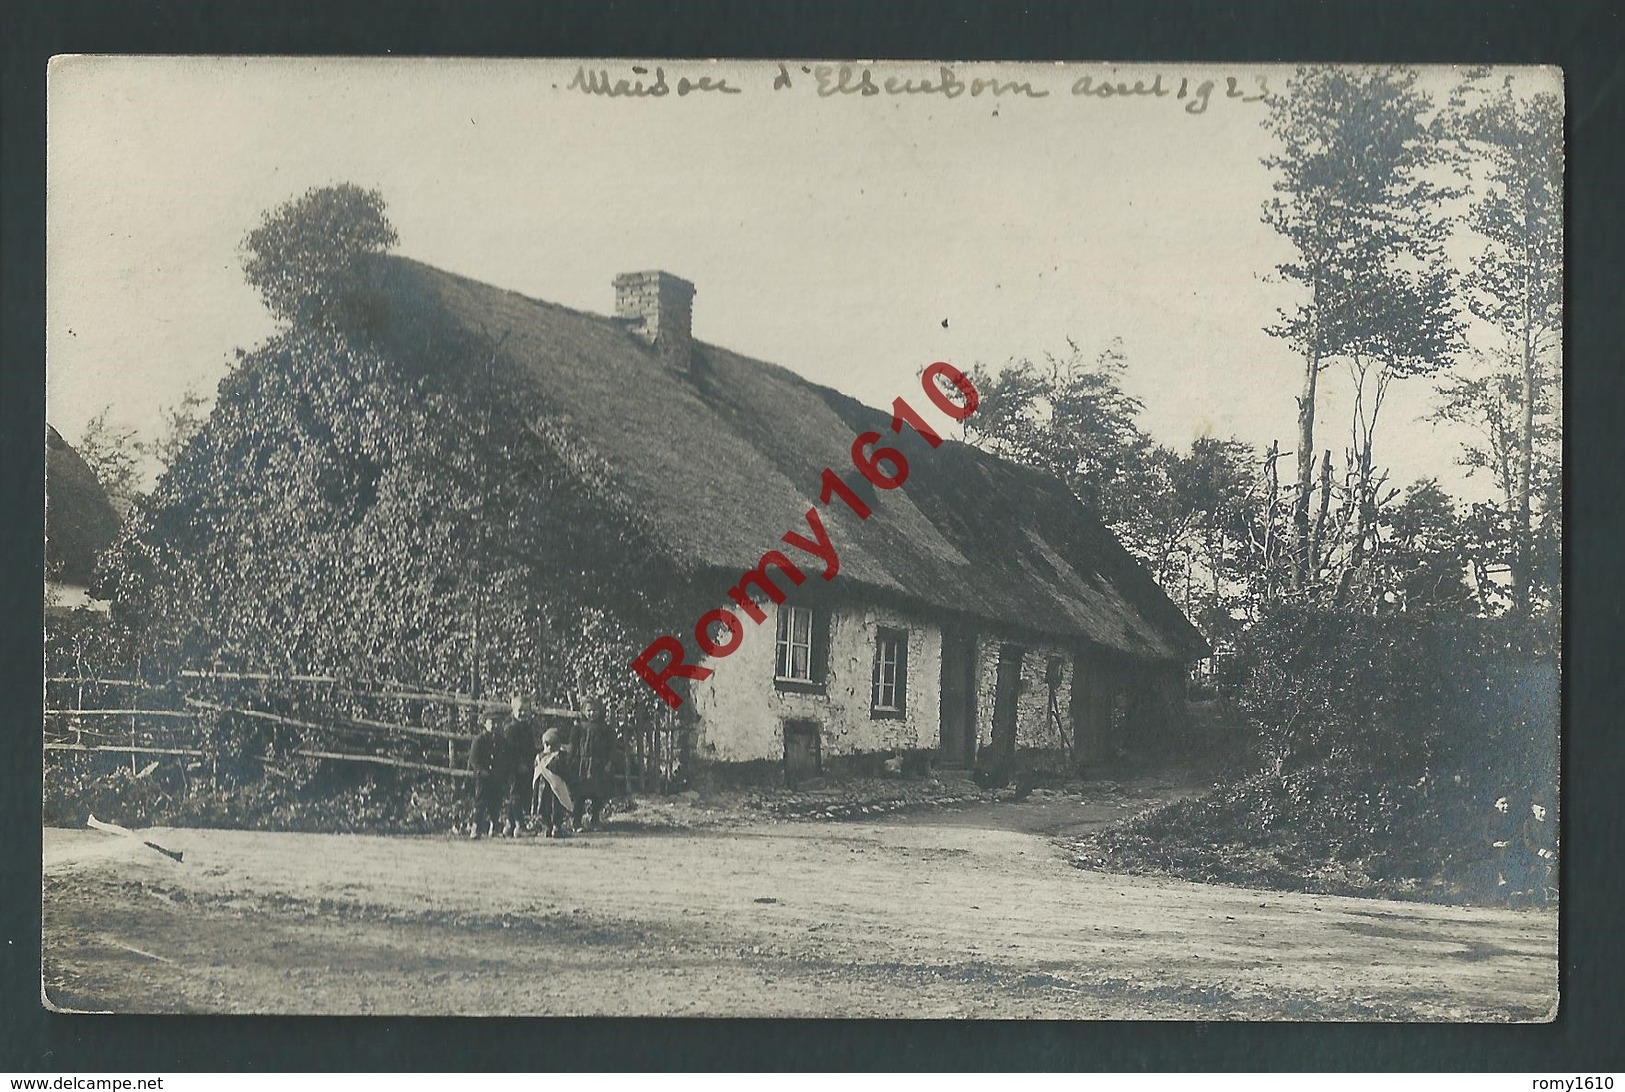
[{"x": 615, "y": 323}]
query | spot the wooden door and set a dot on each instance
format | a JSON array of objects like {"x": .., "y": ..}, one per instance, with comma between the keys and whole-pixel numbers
[
  {"x": 802, "y": 760},
  {"x": 1088, "y": 718},
  {"x": 957, "y": 746},
  {"x": 1006, "y": 690}
]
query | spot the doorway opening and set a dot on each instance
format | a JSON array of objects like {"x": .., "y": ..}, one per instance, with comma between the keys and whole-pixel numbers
[{"x": 957, "y": 739}]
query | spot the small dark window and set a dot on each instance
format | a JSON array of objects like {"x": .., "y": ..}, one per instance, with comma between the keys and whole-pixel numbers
[{"x": 888, "y": 691}]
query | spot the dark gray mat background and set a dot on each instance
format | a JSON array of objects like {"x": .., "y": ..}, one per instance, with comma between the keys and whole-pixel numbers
[{"x": 1584, "y": 38}]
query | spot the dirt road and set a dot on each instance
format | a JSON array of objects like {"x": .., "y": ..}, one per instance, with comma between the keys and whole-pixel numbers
[{"x": 971, "y": 913}]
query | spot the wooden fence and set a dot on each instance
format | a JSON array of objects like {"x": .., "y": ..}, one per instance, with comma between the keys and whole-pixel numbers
[
  {"x": 383, "y": 723},
  {"x": 311, "y": 716}
]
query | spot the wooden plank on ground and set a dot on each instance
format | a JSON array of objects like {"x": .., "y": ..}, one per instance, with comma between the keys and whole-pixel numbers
[{"x": 114, "y": 828}]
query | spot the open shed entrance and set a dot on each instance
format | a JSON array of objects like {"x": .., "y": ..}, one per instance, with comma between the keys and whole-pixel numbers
[{"x": 958, "y": 735}]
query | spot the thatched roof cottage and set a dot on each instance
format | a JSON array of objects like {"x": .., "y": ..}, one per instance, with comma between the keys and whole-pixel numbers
[{"x": 982, "y": 606}]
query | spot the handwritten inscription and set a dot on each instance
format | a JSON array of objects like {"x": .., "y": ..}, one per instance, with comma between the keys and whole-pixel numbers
[
  {"x": 1086, "y": 87},
  {"x": 599, "y": 83},
  {"x": 846, "y": 81}
]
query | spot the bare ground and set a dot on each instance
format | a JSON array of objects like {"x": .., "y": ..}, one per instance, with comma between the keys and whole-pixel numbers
[{"x": 968, "y": 912}]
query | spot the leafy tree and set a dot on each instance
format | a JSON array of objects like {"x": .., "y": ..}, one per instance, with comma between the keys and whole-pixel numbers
[
  {"x": 1354, "y": 200},
  {"x": 1183, "y": 514},
  {"x": 122, "y": 458},
  {"x": 114, "y": 453},
  {"x": 1069, "y": 415},
  {"x": 180, "y": 422},
  {"x": 1210, "y": 496},
  {"x": 303, "y": 257},
  {"x": 1417, "y": 332},
  {"x": 1424, "y": 561},
  {"x": 1516, "y": 286}
]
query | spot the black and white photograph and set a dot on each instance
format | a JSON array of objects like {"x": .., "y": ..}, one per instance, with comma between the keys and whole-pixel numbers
[{"x": 808, "y": 538}]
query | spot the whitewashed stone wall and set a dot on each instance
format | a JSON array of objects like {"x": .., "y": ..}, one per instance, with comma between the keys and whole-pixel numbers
[{"x": 741, "y": 713}]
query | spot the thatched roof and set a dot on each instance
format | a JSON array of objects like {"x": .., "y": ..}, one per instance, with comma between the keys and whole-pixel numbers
[
  {"x": 79, "y": 519},
  {"x": 721, "y": 465}
]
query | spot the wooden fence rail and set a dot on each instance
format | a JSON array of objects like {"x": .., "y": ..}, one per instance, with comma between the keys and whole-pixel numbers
[
  {"x": 645, "y": 748},
  {"x": 124, "y": 750},
  {"x": 410, "y": 729},
  {"x": 246, "y": 676},
  {"x": 338, "y": 722},
  {"x": 91, "y": 733},
  {"x": 384, "y": 760},
  {"x": 444, "y": 697},
  {"x": 388, "y": 690},
  {"x": 120, "y": 713},
  {"x": 347, "y": 756}
]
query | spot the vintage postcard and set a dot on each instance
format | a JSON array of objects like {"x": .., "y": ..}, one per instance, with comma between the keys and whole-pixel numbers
[{"x": 810, "y": 538}]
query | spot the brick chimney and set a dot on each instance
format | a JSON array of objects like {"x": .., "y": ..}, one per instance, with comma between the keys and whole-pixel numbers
[{"x": 658, "y": 308}]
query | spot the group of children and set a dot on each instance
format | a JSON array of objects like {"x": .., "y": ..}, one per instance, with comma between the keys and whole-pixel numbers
[
  {"x": 1522, "y": 853},
  {"x": 517, "y": 775}
]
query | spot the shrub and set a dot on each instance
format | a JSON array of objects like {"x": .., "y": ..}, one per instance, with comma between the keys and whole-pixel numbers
[
  {"x": 1407, "y": 695},
  {"x": 1371, "y": 751}
]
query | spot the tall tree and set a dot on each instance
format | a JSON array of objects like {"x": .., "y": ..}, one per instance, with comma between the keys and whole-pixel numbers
[
  {"x": 1354, "y": 201},
  {"x": 1184, "y": 514},
  {"x": 1070, "y": 416},
  {"x": 1414, "y": 330},
  {"x": 1516, "y": 286},
  {"x": 1202, "y": 514},
  {"x": 1424, "y": 562}
]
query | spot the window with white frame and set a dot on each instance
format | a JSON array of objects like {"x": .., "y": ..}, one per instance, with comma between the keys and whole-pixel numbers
[
  {"x": 889, "y": 685},
  {"x": 793, "y": 659}
]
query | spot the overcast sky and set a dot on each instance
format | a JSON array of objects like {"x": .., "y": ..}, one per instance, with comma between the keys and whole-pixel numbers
[{"x": 832, "y": 235}]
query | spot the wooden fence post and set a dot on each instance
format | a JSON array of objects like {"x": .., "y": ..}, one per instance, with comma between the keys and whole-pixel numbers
[
  {"x": 135, "y": 703},
  {"x": 79, "y": 694}
]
